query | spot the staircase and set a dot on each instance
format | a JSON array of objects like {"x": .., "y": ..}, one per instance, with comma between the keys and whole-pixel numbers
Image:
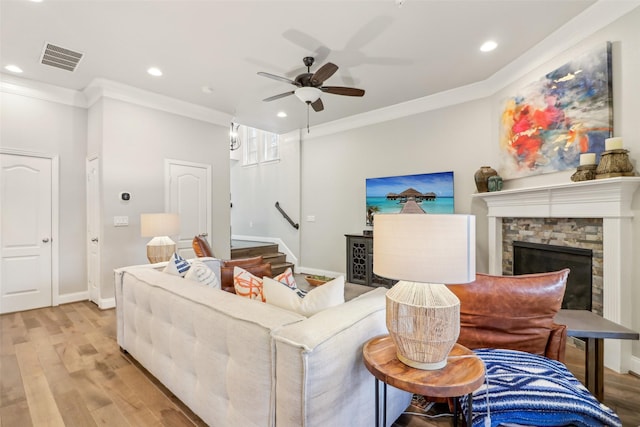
[{"x": 269, "y": 251}]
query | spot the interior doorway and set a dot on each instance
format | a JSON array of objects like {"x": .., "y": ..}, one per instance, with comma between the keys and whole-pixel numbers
[{"x": 28, "y": 231}]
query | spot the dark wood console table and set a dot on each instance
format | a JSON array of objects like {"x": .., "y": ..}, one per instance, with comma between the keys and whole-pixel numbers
[
  {"x": 360, "y": 262},
  {"x": 587, "y": 325}
]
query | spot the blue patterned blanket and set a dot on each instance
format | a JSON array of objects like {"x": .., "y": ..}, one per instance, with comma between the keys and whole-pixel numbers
[{"x": 533, "y": 390}]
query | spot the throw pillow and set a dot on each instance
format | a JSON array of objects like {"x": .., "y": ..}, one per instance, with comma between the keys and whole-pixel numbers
[
  {"x": 201, "y": 273},
  {"x": 247, "y": 285},
  {"x": 529, "y": 389},
  {"x": 287, "y": 278},
  {"x": 177, "y": 265},
  {"x": 322, "y": 297}
]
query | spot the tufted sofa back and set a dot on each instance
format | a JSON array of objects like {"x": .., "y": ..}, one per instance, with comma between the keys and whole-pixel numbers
[{"x": 513, "y": 312}]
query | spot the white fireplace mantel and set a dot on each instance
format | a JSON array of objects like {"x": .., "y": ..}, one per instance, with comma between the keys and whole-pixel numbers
[{"x": 610, "y": 199}]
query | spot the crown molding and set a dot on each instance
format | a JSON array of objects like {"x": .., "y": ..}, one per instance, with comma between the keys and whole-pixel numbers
[
  {"x": 34, "y": 89},
  {"x": 594, "y": 18},
  {"x": 103, "y": 88}
]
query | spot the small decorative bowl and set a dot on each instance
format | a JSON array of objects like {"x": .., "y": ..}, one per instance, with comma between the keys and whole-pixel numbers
[{"x": 315, "y": 281}]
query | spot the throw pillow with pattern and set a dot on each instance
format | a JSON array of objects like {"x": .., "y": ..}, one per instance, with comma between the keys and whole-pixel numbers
[
  {"x": 177, "y": 265},
  {"x": 201, "y": 273},
  {"x": 289, "y": 281},
  {"x": 247, "y": 285}
]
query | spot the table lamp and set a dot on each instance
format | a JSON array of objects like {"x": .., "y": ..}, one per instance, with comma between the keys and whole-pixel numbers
[
  {"x": 424, "y": 252},
  {"x": 159, "y": 226}
]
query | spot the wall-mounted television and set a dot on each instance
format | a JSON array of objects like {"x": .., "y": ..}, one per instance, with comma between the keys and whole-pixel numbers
[{"x": 431, "y": 193}]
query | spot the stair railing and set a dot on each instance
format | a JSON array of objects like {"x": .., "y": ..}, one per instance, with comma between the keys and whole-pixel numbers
[{"x": 284, "y": 214}]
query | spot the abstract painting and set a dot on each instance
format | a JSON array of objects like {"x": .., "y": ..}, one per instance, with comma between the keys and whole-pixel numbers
[
  {"x": 546, "y": 125},
  {"x": 429, "y": 193}
]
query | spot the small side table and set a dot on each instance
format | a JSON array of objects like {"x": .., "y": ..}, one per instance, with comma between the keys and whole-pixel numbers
[{"x": 461, "y": 376}]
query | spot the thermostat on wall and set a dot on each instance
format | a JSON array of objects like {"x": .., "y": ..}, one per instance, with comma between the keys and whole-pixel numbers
[{"x": 125, "y": 196}]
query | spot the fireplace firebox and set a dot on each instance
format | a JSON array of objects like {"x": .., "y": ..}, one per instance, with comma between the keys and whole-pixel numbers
[{"x": 541, "y": 258}]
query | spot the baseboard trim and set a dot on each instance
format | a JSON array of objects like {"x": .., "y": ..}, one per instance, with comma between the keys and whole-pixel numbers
[
  {"x": 103, "y": 304},
  {"x": 635, "y": 366},
  {"x": 74, "y": 297},
  {"x": 319, "y": 272},
  {"x": 107, "y": 303}
]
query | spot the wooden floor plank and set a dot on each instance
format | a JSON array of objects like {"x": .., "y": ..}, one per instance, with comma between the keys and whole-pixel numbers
[
  {"x": 16, "y": 414},
  {"x": 11, "y": 389},
  {"x": 42, "y": 405},
  {"x": 110, "y": 416}
]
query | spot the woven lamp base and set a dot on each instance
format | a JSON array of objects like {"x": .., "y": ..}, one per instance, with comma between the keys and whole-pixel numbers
[
  {"x": 160, "y": 249},
  {"x": 423, "y": 320}
]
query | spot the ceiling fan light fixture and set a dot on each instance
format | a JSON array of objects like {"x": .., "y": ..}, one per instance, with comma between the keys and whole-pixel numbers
[{"x": 308, "y": 94}]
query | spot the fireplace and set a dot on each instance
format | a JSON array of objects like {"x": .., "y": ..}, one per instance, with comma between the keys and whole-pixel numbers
[
  {"x": 607, "y": 200},
  {"x": 542, "y": 258}
]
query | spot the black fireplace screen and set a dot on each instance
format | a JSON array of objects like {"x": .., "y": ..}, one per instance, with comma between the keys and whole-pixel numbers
[{"x": 541, "y": 258}]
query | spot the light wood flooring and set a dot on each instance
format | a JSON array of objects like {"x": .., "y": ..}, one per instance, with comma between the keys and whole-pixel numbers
[{"x": 61, "y": 366}]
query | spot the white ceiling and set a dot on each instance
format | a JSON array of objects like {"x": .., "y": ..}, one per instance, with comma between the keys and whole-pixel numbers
[{"x": 395, "y": 53}]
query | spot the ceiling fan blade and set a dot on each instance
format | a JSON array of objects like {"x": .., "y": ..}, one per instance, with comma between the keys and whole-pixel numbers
[
  {"x": 339, "y": 90},
  {"x": 317, "y": 105},
  {"x": 323, "y": 73},
  {"x": 278, "y": 78},
  {"x": 281, "y": 95}
]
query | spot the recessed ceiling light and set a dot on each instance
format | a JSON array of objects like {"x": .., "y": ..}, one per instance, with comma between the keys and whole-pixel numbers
[
  {"x": 488, "y": 46},
  {"x": 156, "y": 72},
  {"x": 282, "y": 114},
  {"x": 13, "y": 68}
]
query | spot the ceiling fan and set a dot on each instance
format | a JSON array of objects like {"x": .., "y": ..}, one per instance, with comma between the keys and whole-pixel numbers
[{"x": 309, "y": 85}]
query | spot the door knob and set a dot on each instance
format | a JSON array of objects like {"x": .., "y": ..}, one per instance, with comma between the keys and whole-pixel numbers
[
  {"x": 95, "y": 239},
  {"x": 45, "y": 240}
]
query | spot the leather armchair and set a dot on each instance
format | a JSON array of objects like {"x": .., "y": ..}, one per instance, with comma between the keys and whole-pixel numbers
[
  {"x": 513, "y": 312},
  {"x": 201, "y": 247}
]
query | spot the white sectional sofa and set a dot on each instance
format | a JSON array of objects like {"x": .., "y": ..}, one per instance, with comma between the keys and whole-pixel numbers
[{"x": 240, "y": 362}]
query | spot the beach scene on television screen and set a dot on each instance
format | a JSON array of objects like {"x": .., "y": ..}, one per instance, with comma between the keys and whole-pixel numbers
[{"x": 430, "y": 193}]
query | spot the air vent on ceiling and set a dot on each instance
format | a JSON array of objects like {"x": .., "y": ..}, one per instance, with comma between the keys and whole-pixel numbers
[{"x": 60, "y": 57}]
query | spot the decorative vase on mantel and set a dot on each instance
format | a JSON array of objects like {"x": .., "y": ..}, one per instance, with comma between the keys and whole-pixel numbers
[{"x": 482, "y": 176}]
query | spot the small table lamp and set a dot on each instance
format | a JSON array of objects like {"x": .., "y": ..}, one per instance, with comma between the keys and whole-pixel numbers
[
  {"x": 424, "y": 252},
  {"x": 159, "y": 226}
]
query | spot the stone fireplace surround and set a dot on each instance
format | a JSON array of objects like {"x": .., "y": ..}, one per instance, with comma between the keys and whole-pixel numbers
[{"x": 609, "y": 199}]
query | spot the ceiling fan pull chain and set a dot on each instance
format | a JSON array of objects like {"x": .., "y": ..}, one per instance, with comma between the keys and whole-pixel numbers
[{"x": 308, "y": 104}]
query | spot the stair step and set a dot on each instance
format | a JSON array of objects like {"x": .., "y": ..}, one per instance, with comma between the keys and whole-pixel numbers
[
  {"x": 269, "y": 251},
  {"x": 251, "y": 251},
  {"x": 275, "y": 258},
  {"x": 280, "y": 268}
]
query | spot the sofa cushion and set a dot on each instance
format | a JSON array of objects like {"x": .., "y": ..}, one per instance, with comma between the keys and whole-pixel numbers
[
  {"x": 247, "y": 285},
  {"x": 512, "y": 312},
  {"x": 177, "y": 265},
  {"x": 527, "y": 389},
  {"x": 201, "y": 273},
  {"x": 320, "y": 298}
]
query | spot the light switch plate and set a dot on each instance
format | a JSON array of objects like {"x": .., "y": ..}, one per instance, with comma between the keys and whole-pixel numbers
[{"x": 120, "y": 221}]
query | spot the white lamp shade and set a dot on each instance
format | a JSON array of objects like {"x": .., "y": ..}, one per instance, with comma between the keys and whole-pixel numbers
[
  {"x": 159, "y": 224},
  {"x": 308, "y": 94},
  {"x": 425, "y": 248}
]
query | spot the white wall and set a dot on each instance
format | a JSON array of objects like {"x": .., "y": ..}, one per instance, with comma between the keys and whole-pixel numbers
[
  {"x": 39, "y": 126},
  {"x": 255, "y": 190},
  {"x": 334, "y": 169},
  {"x": 135, "y": 141}
]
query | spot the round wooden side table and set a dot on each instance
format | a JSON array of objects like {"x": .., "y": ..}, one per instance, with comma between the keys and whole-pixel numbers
[{"x": 463, "y": 373}]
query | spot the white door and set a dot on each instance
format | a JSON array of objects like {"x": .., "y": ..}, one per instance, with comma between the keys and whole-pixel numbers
[
  {"x": 188, "y": 193},
  {"x": 93, "y": 230},
  {"x": 25, "y": 233}
]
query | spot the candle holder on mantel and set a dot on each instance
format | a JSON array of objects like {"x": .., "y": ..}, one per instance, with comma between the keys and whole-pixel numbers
[
  {"x": 614, "y": 163},
  {"x": 584, "y": 173}
]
